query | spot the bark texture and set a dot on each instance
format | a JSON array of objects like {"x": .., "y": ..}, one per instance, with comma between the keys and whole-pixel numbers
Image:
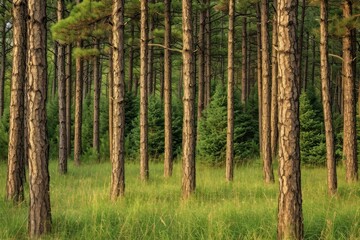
[
  {"x": 230, "y": 97},
  {"x": 207, "y": 96},
  {"x": 274, "y": 87},
  {"x": 201, "y": 63},
  {"x": 68, "y": 98},
  {"x": 244, "y": 81},
  {"x": 290, "y": 219},
  {"x": 117, "y": 156},
  {"x": 326, "y": 99},
  {"x": 2, "y": 63},
  {"x": 39, "y": 221},
  {"x": 144, "y": 156},
  {"x": 168, "y": 165},
  {"x": 16, "y": 163},
  {"x": 349, "y": 147},
  {"x": 188, "y": 155},
  {"x": 266, "y": 95},
  {"x": 61, "y": 79}
]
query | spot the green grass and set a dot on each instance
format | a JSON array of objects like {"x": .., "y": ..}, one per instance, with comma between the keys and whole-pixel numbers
[{"x": 244, "y": 209}]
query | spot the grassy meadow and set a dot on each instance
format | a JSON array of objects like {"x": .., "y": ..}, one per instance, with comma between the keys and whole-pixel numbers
[{"x": 244, "y": 209}]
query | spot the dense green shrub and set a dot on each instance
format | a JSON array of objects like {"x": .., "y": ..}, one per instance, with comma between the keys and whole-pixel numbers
[
  {"x": 156, "y": 129},
  {"x": 211, "y": 144},
  {"x": 312, "y": 137}
]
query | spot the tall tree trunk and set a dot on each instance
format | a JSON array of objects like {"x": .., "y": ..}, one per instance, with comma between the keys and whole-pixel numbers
[
  {"x": 62, "y": 167},
  {"x": 244, "y": 80},
  {"x": 39, "y": 212},
  {"x": 207, "y": 96},
  {"x": 349, "y": 147},
  {"x": 230, "y": 96},
  {"x": 55, "y": 79},
  {"x": 16, "y": 166},
  {"x": 131, "y": 58},
  {"x": 68, "y": 98},
  {"x": 118, "y": 154},
  {"x": 168, "y": 165},
  {"x": 266, "y": 94},
  {"x": 201, "y": 61},
  {"x": 2, "y": 65},
  {"x": 97, "y": 88},
  {"x": 188, "y": 161},
  {"x": 306, "y": 69},
  {"x": 111, "y": 91},
  {"x": 144, "y": 155},
  {"x": 150, "y": 51},
  {"x": 313, "y": 61},
  {"x": 259, "y": 74},
  {"x": 78, "y": 107},
  {"x": 326, "y": 99},
  {"x": 290, "y": 220},
  {"x": 274, "y": 87},
  {"x": 300, "y": 42}
]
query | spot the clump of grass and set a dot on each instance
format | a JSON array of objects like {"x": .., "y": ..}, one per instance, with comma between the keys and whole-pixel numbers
[{"x": 244, "y": 209}]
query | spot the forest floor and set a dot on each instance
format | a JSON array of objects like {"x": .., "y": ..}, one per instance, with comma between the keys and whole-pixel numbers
[{"x": 244, "y": 209}]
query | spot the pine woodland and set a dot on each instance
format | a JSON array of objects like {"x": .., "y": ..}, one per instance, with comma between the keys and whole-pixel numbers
[{"x": 208, "y": 119}]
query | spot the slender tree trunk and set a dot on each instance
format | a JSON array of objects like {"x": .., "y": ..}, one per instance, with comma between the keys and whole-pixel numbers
[
  {"x": 2, "y": 65},
  {"x": 78, "y": 107},
  {"x": 274, "y": 87},
  {"x": 230, "y": 96},
  {"x": 301, "y": 42},
  {"x": 207, "y": 91},
  {"x": 244, "y": 81},
  {"x": 16, "y": 166},
  {"x": 259, "y": 74},
  {"x": 111, "y": 93},
  {"x": 150, "y": 52},
  {"x": 313, "y": 61},
  {"x": 201, "y": 61},
  {"x": 188, "y": 161},
  {"x": 39, "y": 212},
  {"x": 97, "y": 88},
  {"x": 168, "y": 165},
  {"x": 349, "y": 147},
  {"x": 266, "y": 95},
  {"x": 131, "y": 58},
  {"x": 55, "y": 79},
  {"x": 306, "y": 69},
  {"x": 68, "y": 98},
  {"x": 118, "y": 154},
  {"x": 290, "y": 219},
  {"x": 144, "y": 155},
  {"x": 326, "y": 99},
  {"x": 62, "y": 167}
]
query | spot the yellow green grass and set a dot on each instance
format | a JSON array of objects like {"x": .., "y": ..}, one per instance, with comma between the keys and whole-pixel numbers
[{"x": 244, "y": 209}]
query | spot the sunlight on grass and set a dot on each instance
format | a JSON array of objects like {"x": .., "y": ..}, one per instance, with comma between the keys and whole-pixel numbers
[{"x": 244, "y": 209}]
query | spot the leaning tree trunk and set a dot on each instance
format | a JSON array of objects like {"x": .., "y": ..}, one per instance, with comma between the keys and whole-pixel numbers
[
  {"x": 230, "y": 97},
  {"x": 62, "y": 167},
  {"x": 290, "y": 220},
  {"x": 39, "y": 181},
  {"x": 167, "y": 92},
  {"x": 274, "y": 88},
  {"x": 188, "y": 161},
  {"x": 97, "y": 87},
  {"x": 349, "y": 147},
  {"x": 118, "y": 154},
  {"x": 326, "y": 99},
  {"x": 16, "y": 166},
  {"x": 266, "y": 95},
  {"x": 144, "y": 155}
]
